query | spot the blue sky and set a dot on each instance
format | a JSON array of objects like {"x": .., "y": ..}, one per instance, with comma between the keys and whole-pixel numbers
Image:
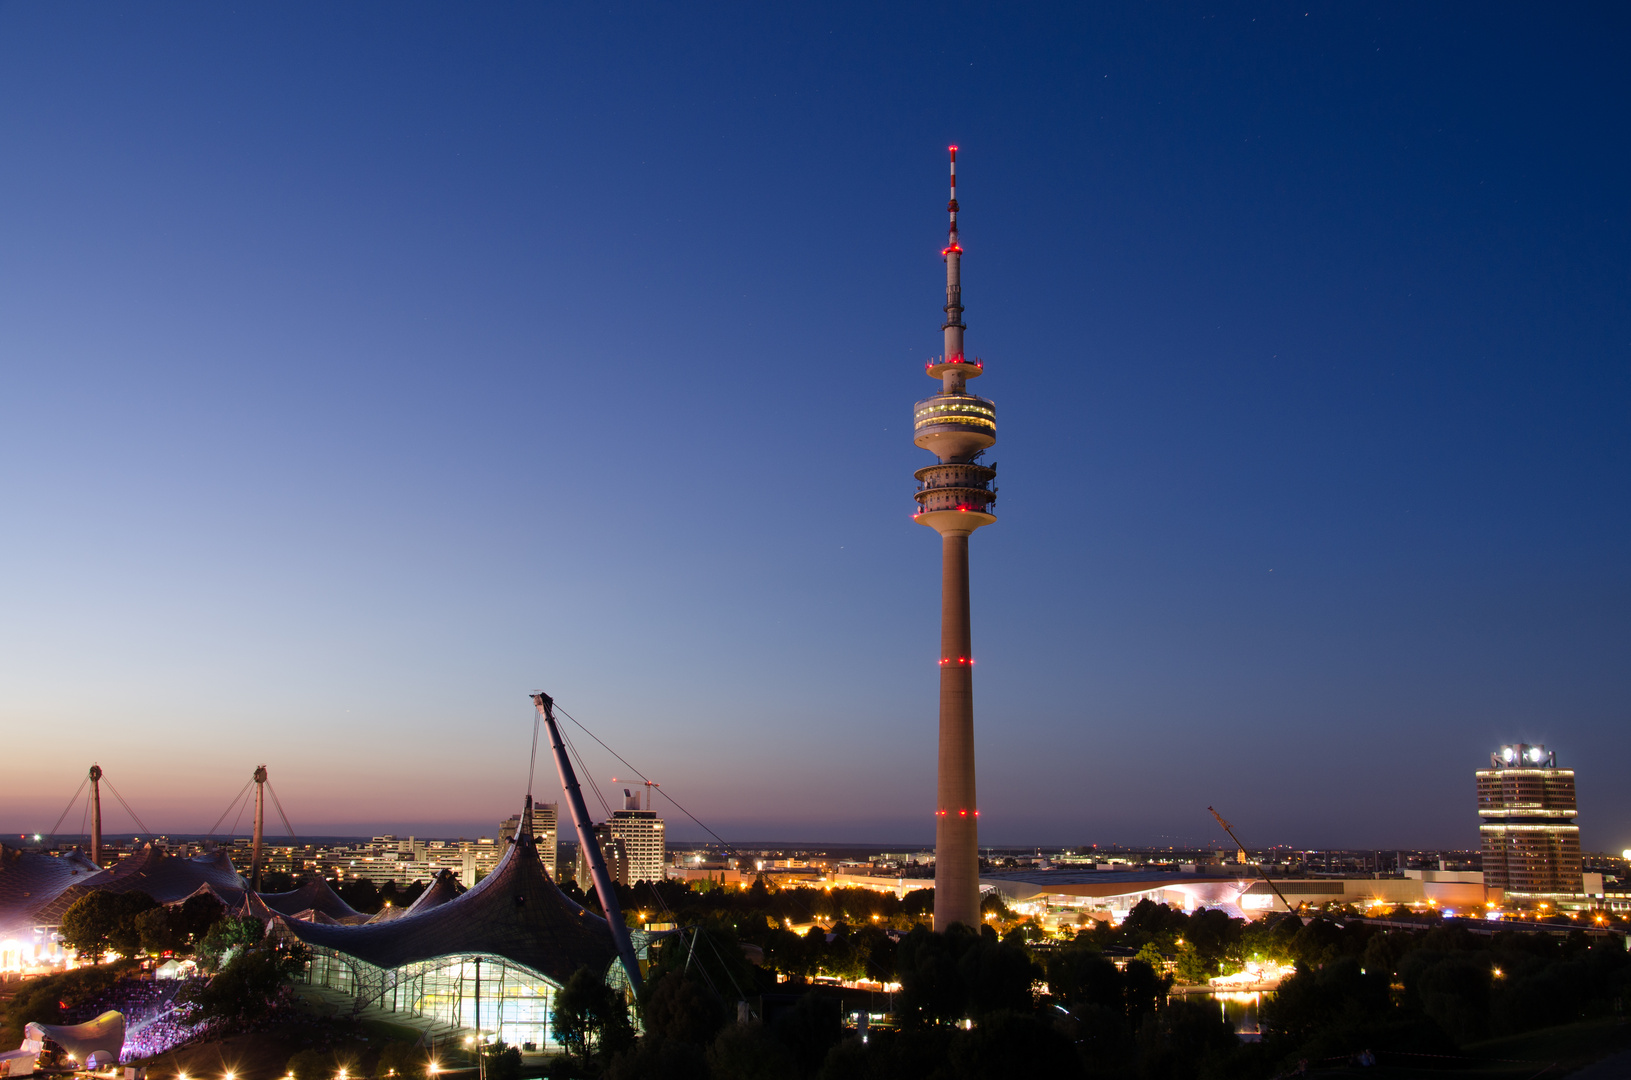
[{"x": 368, "y": 367}]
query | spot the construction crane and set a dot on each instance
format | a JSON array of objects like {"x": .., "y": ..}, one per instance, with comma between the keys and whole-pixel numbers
[
  {"x": 649, "y": 785},
  {"x": 1260, "y": 869}
]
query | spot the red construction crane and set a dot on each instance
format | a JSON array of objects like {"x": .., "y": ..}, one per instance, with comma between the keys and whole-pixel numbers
[
  {"x": 649, "y": 785},
  {"x": 1260, "y": 869}
]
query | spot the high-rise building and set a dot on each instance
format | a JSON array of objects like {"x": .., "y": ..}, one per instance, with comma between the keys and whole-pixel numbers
[
  {"x": 545, "y": 818},
  {"x": 632, "y": 843},
  {"x": 1526, "y": 811},
  {"x": 954, "y": 498},
  {"x": 644, "y": 841},
  {"x": 611, "y": 850}
]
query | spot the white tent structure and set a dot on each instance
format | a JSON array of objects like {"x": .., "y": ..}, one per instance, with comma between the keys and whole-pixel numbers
[
  {"x": 94, "y": 1044},
  {"x": 19, "y": 1062}
]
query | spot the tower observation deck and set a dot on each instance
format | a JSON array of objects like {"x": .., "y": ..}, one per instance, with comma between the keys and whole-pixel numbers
[{"x": 954, "y": 498}]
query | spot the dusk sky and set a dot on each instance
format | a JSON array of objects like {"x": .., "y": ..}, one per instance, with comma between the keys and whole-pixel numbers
[{"x": 367, "y": 367}]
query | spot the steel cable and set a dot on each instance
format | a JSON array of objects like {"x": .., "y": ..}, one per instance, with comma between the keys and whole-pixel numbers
[
  {"x": 727, "y": 846},
  {"x": 83, "y": 781},
  {"x": 235, "y": 800},
  {"x": 151, "y": 835}
]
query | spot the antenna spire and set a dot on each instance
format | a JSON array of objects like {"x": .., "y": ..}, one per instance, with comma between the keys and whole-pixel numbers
[{"x": 953, "y": 325}]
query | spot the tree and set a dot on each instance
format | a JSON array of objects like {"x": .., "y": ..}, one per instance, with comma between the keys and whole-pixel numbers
[
  {"x": 747, "y": 1052},
  {"x": 931, "y": 988},
  {"x": 1010, "y": 1046},
  {"x": 1175, "y": 1042},
  {"x": 997, "y": 975},
  {"x": 156, "y": 929},
  {"x": 100, "y": 921},
  {"x": 1151, "y": 954},
  {"x": 676, "y": 1009},
  {"x": 193, "y": 919},
  {"x": 311, "y": 1064},
  {"x": 248, "y": 984},
  {"x": 1143, "y": 991},
  {"x": 1194, "y": 968},
  {"x": 361, "y": 894},
  {"x": 225, "y": 939},
  {"x": 590, "y": 1018},
  {"x": 503, "y": 1061},
  {"x": 1079, "y": 975},
  {"x": 401, "y": 1059}
]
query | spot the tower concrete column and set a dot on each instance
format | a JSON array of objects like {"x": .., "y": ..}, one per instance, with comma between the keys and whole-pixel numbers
[{"x": 956, "y": 842}]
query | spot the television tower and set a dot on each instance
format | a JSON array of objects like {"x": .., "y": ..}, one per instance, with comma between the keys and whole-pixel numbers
[{"x": 954, "y": 498}]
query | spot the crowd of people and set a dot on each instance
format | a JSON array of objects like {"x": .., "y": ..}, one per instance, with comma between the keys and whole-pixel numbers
[
  {"x": 162, "y": 1033},
  {"x": 154, "y": 1021},
  {"x": 138, "y": 1000}
]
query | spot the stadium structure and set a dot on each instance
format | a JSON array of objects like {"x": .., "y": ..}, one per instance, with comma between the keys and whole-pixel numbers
[{"x": 488, "y": 960}]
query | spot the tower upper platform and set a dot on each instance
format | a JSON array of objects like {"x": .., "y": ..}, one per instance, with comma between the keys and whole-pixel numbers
[
  {"x": 955, "y": 426},
  {"x": 955, "y": 496}
]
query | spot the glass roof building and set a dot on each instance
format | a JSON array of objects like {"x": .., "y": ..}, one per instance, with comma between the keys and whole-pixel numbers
[{"x": 489, "y": 960}]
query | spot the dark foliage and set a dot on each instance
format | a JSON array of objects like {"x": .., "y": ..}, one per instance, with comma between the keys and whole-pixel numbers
[
  {"x": 961, "y": 974},
  {"x": 100, "y": 921},
  {"x": 248, "y": 984},
  {"x": 590, "y": 1019},
  {"x": 225, "y": 939}
]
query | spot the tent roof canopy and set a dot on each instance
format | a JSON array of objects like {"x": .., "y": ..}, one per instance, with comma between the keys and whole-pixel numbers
[{"x": 515, "y": 913}]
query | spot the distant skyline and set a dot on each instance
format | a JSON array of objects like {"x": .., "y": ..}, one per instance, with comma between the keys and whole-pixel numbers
[{"x": 369, "y": 367}]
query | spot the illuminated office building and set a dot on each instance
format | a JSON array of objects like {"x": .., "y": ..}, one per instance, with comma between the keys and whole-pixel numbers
[
  {"x": 545, "y": 824},
  {"x": 1526, "y": 810}
]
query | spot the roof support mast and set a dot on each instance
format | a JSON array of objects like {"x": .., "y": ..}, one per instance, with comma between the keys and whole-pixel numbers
[
  {"x": 260, "y": 828},
  {"x": 96, "y": 814},
  {"x": 586, "y": 841}
]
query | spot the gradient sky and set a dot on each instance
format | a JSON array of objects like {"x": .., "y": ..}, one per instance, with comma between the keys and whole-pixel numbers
[{"x": 368, "y": 366}]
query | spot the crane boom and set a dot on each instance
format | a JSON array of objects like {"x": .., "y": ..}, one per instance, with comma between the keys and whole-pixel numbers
[{"x": 1260, "y": 870}]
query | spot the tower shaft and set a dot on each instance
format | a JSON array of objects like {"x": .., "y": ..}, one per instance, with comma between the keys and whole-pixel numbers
[{"x": 956, "y": 840}]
